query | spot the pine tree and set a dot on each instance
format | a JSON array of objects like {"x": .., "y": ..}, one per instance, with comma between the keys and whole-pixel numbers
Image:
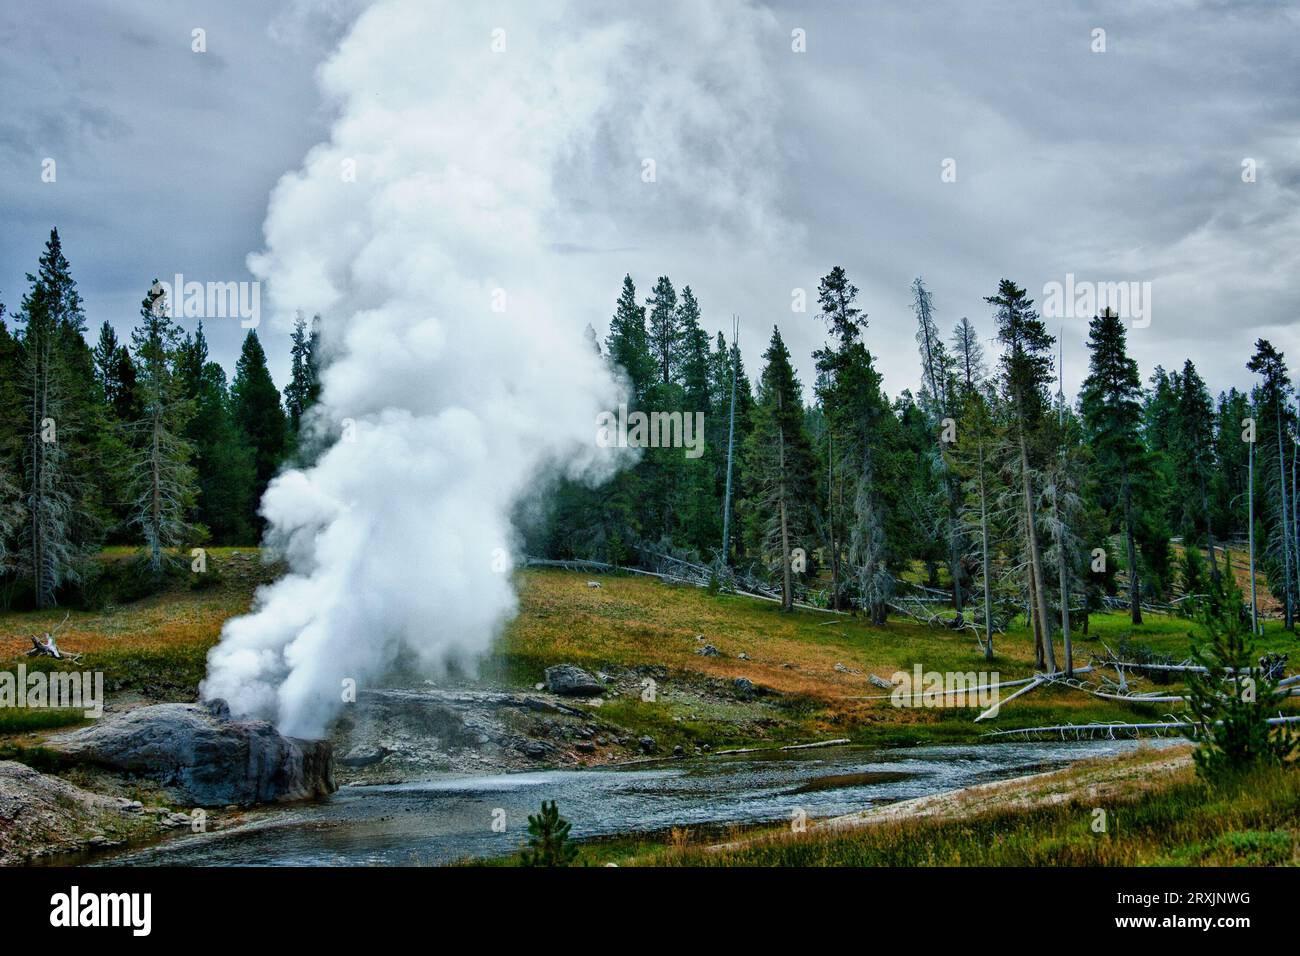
[
  {"x": 694, "y": 365},
  {"x": 970, "y": 458},
  {"x": 162, "y": 480},
  {"x": 1194, "y": 457},
  {"x": 548, "y": 839},
  {"x": 64, "y": 430},
  {"x": 779, "y": 463},
  {"x": 304, "y": 385},
  {"x": 665, "y": 334},
  {"x": 11, "y": 416},
  {"x": 1272, "y": 400},
  {"x": 865, "y": 438},
  {"x": 222, "y": 461},
  {"x": 728, "y": 425},
  {"x": 1026, "y": 372},
  {"x": 938, "y": 374},
  {"x": 1113, "y": 414},
  {"x": 969, "y": 354},
  {"x": 1232, "y": 701},
  {"x": 259, "y": 416},
  {"x": 1228, "y": 488},
  {"x": 628, "y": 343}
]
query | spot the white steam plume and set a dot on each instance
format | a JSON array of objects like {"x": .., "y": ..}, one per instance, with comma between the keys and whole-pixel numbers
[{"x": 474, "y": 169}]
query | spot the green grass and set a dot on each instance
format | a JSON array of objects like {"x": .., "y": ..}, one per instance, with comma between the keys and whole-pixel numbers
[
  {"x": 157, "y": 647},
  {"x": 14, "y": 720}
]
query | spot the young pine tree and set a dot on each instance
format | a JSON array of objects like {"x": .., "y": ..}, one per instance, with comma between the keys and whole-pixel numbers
[{"x": 1231, "y": 703}]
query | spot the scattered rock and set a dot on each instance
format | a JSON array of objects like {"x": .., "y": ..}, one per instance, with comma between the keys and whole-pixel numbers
[
  {"x": 593, "y": 584},
  {"x": 880, "y": 682},
  {"x": 362, "y": 756},
  {"x": 585, "y": 746},
  {"x": 207, "y": 757},
  {"x": 679, "y": 751},
  {"x": 742, "y": 656},
  {"x": 569, "y": 680},
  {"x": 535, "y": 749},
  {"x": 708, "y": 650},
  {"x": 743, "y": 685},
  {"x": 647, "y": 744}
]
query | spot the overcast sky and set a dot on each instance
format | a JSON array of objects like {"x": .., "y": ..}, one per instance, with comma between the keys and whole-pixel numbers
[{"x": 1122, "y": 165}]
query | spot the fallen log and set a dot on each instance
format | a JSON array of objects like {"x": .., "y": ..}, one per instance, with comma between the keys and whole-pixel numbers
[{"x": 1081, "y": 729}]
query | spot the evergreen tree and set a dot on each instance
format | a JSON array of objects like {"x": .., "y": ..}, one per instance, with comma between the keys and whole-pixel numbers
[
  {"x": 1273, "y": 404},
  {"x": 162, "y": 480},
  {"x": 694, "y": 365},
  {"x": 628, "y": 343},
  {"x": 1194, "y": 444},
  {"x": 938, "y": 374},
  {"x": 1232, "y": 701},
  {"x": 11, "y": 416},
  {"x": 304, "y": 385},
  {"x": 548, "y": 839},
  {"x": 1228, "y": 488},
  {"x": 865, "y": 439},
  {"x": 222, "y": 461},
  {"x": 259, "y": 416},
  {"x": 105, "y": 354},
  {"x": 665, "y": 334},
  {"x": 1113, "y": 413},
  {"x": 1026, "y": 372},
  {"x": 64, "y": 430},
  {"x": 779, "y": 463},
  {"x": 970, "y": 460}
]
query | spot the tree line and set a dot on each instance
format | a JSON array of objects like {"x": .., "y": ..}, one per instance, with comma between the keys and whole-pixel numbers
[
  {"x": 987, "y": 484},
  {"x": 984, "y": 485},
  {"x": 143, "y": 443}
]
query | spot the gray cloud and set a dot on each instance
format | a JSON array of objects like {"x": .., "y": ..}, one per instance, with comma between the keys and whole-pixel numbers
[{"x": 1112, "y": 166}]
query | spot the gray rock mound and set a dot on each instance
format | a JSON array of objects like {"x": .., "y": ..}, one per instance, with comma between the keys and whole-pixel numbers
[
  {"x": 209, "y": 758},
  {"x": 572, "y": 681}
]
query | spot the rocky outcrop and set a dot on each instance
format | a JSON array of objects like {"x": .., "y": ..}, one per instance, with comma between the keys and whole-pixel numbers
[
  {"x": 205, "y": 756},
  {"x": 568, "y": 680},
  {"x": 42, "y": 815}
]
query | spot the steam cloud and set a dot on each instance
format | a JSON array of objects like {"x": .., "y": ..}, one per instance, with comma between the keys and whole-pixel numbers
[{"x": 477, "y": 174}]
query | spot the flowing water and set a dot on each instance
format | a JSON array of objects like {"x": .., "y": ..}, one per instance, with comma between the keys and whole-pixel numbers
[{"x": 448, "y": 819}]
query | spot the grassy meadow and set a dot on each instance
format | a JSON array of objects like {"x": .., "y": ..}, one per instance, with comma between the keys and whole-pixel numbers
[{"x": 816, "y": 664}]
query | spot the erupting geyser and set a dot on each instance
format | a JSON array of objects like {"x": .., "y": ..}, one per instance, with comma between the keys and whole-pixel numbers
[{"x": 434, "y": 233}]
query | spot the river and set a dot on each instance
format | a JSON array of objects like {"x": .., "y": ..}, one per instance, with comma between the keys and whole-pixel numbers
[{"x": 452, "y": 818}]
